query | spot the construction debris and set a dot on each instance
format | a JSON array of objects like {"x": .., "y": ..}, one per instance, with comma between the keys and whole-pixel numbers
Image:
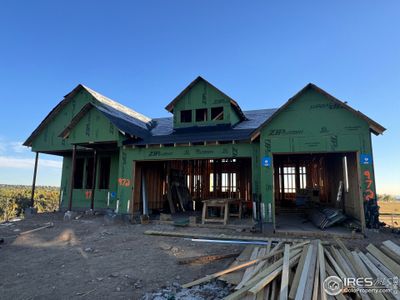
[
  {"x": 293, "y": 270},
  {"x": 326, "y": 217}
]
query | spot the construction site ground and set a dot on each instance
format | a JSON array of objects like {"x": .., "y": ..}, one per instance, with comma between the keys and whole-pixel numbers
[{"x": 89, "y": 258}]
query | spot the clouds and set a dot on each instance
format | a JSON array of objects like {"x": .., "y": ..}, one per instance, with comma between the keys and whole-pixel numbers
[
  {"x": 13, "y": 155},
  {"x": 17, "y": 163},
  {"x": 12, "y": 147},
  {"x": 27, "y": 163}
]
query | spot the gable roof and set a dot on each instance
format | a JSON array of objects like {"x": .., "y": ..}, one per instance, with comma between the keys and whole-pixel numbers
[
  {"x": 235, "y": 105},
  {"x": 375, "y": 127},
  {"x": 124, "y": 122},
  {"x": 163, "y": 131},
  {"x": 107, "y": 103}
]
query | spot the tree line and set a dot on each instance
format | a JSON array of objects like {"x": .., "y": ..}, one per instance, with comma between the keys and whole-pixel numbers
[{"x": 15, "y": 198}]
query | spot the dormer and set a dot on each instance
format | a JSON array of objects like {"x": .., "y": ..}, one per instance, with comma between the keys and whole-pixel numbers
[{"x": 201, "y": 104}]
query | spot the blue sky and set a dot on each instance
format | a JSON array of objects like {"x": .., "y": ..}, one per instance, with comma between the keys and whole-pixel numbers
[{"x": 143, "y": 53}]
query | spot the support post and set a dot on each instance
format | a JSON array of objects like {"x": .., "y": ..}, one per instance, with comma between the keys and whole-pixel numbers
[
  {"x": 34, "y": 180},
  {"x": 93, "y": 179},
  {"x": 71, "y": 186}
]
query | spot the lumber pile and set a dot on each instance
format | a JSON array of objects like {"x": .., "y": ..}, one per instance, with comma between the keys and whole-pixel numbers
[{"x": 297, "y": 270}]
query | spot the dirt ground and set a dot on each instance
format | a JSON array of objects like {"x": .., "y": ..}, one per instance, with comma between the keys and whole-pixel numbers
[
  {"x": 90, "y": 259},
  {"x": 87, "y": 259}
]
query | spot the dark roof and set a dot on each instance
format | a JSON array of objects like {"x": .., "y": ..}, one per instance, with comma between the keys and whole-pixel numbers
[
  {"x": 235, "y": 105},
  {"x": 163, "y": 132},
  {"x": 124, "y": 122},
  {"x": 108, "y": 104},
  {"x": 160, "y": 130},
  {"x": 375, "y": 127}
]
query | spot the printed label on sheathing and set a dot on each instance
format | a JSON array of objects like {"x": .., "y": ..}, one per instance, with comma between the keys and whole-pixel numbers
[{"x": 365, "y": 159}]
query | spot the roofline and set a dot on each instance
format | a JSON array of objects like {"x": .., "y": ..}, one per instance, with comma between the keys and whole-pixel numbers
[
  {"x": 171, "y": 105},
  {"x": 62, "y": 104},
  {"x": 51, "y": 114},
  {"x": 375, "y": 127}
]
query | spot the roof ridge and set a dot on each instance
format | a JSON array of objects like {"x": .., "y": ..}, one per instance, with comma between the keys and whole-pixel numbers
[{"x": 118, "y": 106}]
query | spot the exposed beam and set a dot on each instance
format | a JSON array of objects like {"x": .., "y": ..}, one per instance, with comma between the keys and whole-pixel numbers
[
  {"x": 94, "y": 170},
  {"x": 71, "y": 184},
  {"x": 34, "y": 179}
]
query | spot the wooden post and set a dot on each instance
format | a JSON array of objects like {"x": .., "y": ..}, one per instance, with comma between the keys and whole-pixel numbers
[
  {"x": 93, "y": 179},
  {"x": 34, "y": 179},
  {"x": 71, "y": 185}
]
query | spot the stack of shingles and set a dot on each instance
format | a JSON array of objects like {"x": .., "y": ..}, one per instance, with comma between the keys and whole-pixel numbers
[{"x": 298, "y": 270}]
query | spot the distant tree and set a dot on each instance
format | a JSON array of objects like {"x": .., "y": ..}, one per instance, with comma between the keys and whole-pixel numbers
[{"x": 14, "y": 199}]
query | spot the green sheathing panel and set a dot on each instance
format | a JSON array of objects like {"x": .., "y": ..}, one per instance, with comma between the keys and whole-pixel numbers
[
  {"x": 312, "y": 123},
  {"x": 47, "y": 139},
  {"x": 93, "y": 127},
  {"x": 81, "y": 197},
  {"x": 203, "y": 95},
  {"x": 129, "y": 155}
]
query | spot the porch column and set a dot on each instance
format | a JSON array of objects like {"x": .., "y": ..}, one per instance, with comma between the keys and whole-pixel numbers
[
  {"x": 71, "y": 185},
  {"x": 93, "y": 179},
  {"x": 34, "y": 179}
]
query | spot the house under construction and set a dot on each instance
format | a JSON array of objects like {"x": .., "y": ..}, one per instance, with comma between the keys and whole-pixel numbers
[{"x": 314, "y": 152}]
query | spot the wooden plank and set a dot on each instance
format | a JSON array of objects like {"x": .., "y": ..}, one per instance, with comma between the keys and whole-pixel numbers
[
  {"x": 380, "y": 266},
  {"x": 392, "y": 246},
  {"x": 249, "y": 270},
  {"x": 285, "y": 274},
  {"x": 226, "y": 271},
  {"x": 316, "y": 292},
  {"x": 386, "y": 260},
  {"x": 348, "y": 262},
  {"x": 48, "y": 225},
  {"x": 273, "y": 290},
  {"x": 342, "y": 263},
  {"x": 376, "y": 296},
  {"x": 349, "y": 256},
  {"x": 335, "y": 265},
  {"x": 322, "y": 270},
  {"x": 260, "y": 295},
  {"x": 267, "y": 275},
  {"x": 311, "y": 274},
  {"x": 236, "y": 277},
  {"x": 331, "y": 272},
  {"x": 390, "y": 253},
  {"x": 296, "y": 279},
  {"x": 303, "y": 277},
  {"x": 363, "y": 269},
  {"x": 259, "y": 266},
  {"x": 377, "y": 272},
  {"x": 204, "y": 259}
]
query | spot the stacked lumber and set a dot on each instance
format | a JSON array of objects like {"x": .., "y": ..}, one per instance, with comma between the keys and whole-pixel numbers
[{"x": 297, "y": 270}]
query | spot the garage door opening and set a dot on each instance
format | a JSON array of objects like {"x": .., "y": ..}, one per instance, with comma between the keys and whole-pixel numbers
[
  {"x": 180, "y": 187},
  {"x": 309, "y": 186}
]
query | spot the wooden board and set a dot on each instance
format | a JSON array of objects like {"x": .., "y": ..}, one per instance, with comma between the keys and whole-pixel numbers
[
  {"x": 386, "y": 260},
  {"x": 285, "y": 274}
]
